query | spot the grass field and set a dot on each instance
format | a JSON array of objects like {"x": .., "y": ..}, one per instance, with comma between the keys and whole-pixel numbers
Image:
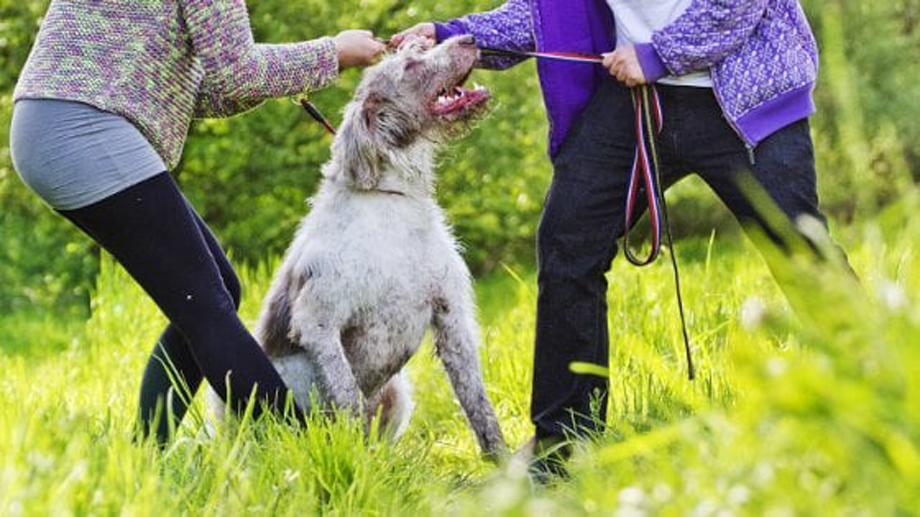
[{"x": 811, "y": 415}]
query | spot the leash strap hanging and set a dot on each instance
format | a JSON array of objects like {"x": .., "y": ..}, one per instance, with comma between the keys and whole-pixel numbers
[
  {"x": 317, "y": 115},
  {"x": 649, "y": 122}
]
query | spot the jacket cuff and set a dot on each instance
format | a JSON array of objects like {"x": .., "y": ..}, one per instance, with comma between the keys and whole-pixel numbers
[
  {"x": 652, "y": 65},
  {"x": 448, "y": 30}
]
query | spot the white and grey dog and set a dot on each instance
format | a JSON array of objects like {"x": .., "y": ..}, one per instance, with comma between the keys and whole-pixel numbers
[{"x": 374, "y": 264}]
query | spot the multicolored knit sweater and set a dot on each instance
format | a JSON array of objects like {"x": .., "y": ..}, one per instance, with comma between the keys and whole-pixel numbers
[{"x": 160, "y": 63}]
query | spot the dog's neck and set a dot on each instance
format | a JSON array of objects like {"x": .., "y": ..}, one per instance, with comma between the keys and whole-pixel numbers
[{"x": 409, "y": 171}]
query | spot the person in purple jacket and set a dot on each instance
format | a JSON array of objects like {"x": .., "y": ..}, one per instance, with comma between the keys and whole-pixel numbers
[{"x": 735, "y": 81}]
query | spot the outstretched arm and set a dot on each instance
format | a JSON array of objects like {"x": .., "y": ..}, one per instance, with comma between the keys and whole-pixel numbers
[
  {"x": 509, "y": 26},
  {"x": 700, "y": 38},
  {"x": 239, "y": 73}
]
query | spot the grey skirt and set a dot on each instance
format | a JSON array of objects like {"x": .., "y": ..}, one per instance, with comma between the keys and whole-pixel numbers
[{"x": 73, "y": 155}]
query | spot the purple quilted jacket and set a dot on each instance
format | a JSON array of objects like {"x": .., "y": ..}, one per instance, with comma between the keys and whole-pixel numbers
[{"x": 762, "y": 54}]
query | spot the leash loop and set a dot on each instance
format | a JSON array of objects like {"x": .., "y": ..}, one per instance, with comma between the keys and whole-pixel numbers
[{"x": 644, "y": 175}]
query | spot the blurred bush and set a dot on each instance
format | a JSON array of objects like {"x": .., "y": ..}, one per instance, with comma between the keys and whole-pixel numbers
[{"x": 249, "y": 176}]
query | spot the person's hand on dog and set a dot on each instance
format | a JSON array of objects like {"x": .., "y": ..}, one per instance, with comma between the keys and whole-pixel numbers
[
  {"x": 424, "y": 30},
  {"x": 358, "y": 48},
  {"x": 623, "y": 63}
]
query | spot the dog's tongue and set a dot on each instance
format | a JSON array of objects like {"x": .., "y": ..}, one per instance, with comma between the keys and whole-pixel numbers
[{"x": 458, "y": 98}]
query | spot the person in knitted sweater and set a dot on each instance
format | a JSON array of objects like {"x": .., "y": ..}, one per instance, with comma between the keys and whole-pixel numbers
[{"x": 102, "y": 109}]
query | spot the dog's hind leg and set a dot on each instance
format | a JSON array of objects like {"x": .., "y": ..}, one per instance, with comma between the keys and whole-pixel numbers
[
  {"x": 456, "y": 336},
  {"x": 393, "y": 405}
]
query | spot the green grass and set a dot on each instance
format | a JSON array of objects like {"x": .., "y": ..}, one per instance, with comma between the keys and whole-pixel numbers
[{"x": 814, "y": 414}]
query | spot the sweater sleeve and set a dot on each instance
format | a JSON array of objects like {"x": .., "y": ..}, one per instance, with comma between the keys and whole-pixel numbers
[
  {"x": 700, "y": 38},
  {"x": 239, "y": 73},
  {"x": 212, "y": 103},
  {"x": 509, "y": 26}
]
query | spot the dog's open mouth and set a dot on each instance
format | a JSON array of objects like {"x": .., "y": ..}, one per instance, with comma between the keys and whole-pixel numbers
[{"x": 457, "y": 99}]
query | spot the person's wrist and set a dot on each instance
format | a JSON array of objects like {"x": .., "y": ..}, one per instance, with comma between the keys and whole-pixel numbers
[
  {"x": 443, "y": 31},
  {"x": 653, "y": 67}
]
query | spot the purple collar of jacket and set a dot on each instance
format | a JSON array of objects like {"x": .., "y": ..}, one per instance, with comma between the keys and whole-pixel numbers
[{"x": 758, "y": 95}]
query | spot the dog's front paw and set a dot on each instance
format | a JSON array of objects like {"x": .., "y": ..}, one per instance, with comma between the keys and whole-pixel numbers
[
  {"x": 499, "y": 455},
  {"x": 493, "y": 445}
]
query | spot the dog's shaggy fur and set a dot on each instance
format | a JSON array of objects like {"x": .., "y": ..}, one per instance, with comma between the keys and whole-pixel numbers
[{"x": 374, "y": 264}]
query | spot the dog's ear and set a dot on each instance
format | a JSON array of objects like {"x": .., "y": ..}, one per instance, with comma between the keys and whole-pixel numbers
[
  {"x": 390, "y": 127},
  {"x": 358, "y": 148}
]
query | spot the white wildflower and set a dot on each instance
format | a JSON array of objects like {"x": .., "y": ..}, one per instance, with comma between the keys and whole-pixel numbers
[
  {"x": 753, "y": 312},
  {"x": 894, "y": 296},
  {"x": 739, "y": 495},
  {"x": 632, "y": 496},
  {"x": 776, "y": 366}
]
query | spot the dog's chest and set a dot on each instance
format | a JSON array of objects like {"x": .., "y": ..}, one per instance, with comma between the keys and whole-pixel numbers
[
  {"x": 379, "y": 262},
  {"x": 388, "y": 249}
]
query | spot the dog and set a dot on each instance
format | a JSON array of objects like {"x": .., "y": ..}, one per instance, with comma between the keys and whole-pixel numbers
[{"x": 374, "y": 264}]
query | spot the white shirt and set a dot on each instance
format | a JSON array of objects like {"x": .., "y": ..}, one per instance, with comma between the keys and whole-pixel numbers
[{"x": 636, "y": 20}]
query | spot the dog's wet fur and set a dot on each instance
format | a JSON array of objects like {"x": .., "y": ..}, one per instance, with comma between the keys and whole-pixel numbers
[{"x": 374, "y": 264}]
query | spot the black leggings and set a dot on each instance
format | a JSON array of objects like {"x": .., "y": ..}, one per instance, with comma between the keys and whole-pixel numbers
[{"x": 157, "y": 236}]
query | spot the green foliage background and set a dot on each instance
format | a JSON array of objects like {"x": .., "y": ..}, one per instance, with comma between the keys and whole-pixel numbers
[
  {"x": 813, "y": 414},
  {"x": 249, "y": 176}
]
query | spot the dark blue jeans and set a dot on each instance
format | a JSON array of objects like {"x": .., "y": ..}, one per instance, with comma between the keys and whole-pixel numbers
[{"x": 584, "y": 215}]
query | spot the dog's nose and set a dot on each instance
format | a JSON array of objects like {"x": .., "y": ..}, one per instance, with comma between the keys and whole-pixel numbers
[{"x": 467, "y": 40}]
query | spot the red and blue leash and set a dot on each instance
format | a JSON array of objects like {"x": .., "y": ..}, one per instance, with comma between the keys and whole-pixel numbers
[{"x": 645, "y": 176}]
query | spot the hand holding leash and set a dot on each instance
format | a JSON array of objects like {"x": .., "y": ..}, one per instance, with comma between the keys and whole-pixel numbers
[
  {"x": 423, "y": 30},
  {"x": 358, "y": 48},
  {"x": 623, "y": 63}
]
